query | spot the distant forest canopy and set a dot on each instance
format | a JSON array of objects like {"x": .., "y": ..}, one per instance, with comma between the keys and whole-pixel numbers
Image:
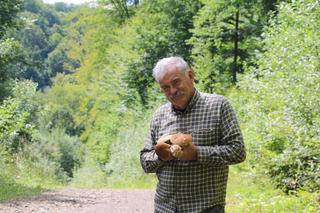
[{"x": 74, "y": 78}]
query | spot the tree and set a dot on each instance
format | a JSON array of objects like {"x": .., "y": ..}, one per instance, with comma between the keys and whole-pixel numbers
[
  {"x": 280, "y": 110},
  {"x": 122, "y": 9},
  {"x": 40, "y": 36},
  {"x": 86, "y": 102},
  {"x": 17, "y": 114},
  {"x": 9, "y": 10},
  {"x": 226, "y": 38},
  {"x": 165, "y": 30},
  {"x": 9, "y": 48}
]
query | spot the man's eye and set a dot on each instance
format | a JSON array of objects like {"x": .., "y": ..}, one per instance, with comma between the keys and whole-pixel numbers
[
  {"x": 165, "y": 88},
  {"x": 176, "y": 82}
]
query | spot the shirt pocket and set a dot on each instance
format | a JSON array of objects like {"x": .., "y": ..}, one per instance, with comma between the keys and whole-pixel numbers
[{"x": 205, "y": 137}]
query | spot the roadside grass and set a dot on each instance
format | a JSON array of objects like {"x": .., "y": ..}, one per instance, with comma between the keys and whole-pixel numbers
[
  {"x": 247, "y": 192},
  {"x": 250, "y": 192},
  {"x": 10, "y": 189},
  {"x": 25, "y": 179},
  {"x": 89, "y": 175}
]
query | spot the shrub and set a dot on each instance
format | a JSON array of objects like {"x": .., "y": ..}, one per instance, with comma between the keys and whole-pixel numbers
[
  {"x": 124, "y": 169},
  {"x": 59, "y": 148},
  {"x": 279, "y": 102}
]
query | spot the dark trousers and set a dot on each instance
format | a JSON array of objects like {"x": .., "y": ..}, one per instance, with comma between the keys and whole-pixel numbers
[{"x": 215, "y": 209}]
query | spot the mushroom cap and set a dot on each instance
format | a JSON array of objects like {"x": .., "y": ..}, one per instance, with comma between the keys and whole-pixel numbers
[{"x": 181, "y": 139}]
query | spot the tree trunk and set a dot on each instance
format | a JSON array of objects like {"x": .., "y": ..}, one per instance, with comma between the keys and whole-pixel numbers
[{"x": 236, "y": 40}]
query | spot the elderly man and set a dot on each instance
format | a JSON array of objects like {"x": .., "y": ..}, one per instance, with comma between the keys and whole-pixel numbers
[{"x": 191, "y": 142}]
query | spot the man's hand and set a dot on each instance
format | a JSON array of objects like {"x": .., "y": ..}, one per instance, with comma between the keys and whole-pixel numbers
[
  {"x": 162, "y": 148},
  {"x": 176, "y": 146},
  {"x": 189, "y": 153},
  {"x": 185, "y": 142}
]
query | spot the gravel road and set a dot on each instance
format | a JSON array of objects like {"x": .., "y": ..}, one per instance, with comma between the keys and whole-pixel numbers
[{"x": 70, "y": 200}]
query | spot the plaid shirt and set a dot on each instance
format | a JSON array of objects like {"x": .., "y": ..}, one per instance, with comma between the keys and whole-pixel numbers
[{"x": 193, "y": 186}]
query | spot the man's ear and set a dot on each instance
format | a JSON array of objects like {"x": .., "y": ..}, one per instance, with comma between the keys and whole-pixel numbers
[{"x": 191, "y": 75}]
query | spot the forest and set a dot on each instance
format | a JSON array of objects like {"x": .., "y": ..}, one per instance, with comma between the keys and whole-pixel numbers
[{"x": 77, "y": 92}]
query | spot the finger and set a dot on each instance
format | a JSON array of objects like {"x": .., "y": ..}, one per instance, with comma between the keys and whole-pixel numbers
[{"x": 164, "y": 139}]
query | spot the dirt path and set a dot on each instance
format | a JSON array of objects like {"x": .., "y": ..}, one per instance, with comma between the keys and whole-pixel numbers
[{"x": 84, "y": 201}]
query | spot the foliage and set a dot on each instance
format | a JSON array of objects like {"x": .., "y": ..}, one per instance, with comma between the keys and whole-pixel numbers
[
  {"x": 252, "y": 192},
  {"x": 89, "y": 175},
  {"x": 125, "y": 155},
  {"x": 9, "y": 10},
  {"x": 94, "y": 65},
  {"x": 64, "y": 7},
  {"x": 58, "y": 106},
  {"x": 23, "y": 174},
  {"x": 279, "y": 102},
  {"x": 15, "y": 112},
  {"x": 10, "y": 189},
  {"x": 39, "y": 36},
  {"x": 121, "y": 9},
  {"x": 89, "y": 101},
  {"x": 165, "y": 30},
  {"x": 225, "y": 40},
  {"x": 59, "y": 148},
  {"x": 9, "y": 47}
]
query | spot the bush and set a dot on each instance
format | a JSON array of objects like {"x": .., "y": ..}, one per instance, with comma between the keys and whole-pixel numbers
[
  {"x": 59, "y": 148},
  {"x": 15, "y": 114},
  {"x": 89, "y": 175},
  {"x": 124, "y": 169},
  {"x": 279, "y": 102}
]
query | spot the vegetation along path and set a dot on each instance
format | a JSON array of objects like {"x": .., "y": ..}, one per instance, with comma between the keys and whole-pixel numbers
[{"x": 84, "y": 200}]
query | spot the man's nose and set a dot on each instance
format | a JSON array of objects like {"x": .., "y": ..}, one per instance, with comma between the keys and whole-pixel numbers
[{"x": 173, "y": 90}]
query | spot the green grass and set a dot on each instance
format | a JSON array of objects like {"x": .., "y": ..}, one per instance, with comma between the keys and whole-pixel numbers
[
  {"x": 249, "y": 192},
  {"x": 90, "y": 175},
  {"x": 10, "y": 189},
  {"x": 25, "y": 179}
]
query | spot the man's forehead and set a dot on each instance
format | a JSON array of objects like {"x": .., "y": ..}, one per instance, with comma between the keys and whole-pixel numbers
[{"x": 170, "y": 76}]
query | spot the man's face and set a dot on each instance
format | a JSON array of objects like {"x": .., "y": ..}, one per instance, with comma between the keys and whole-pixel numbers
[{"x": 178, "y": 87}]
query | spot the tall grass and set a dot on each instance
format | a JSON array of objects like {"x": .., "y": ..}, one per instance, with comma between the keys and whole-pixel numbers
[
  {"x": 249, "y": 191},
  {"x": 24, "y": 178},
  {"x": 123, "y": 169},
  {"x": 89, "y": 175},
  {"x": 9, "y": 189}
]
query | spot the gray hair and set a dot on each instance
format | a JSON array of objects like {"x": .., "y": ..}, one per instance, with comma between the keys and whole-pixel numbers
[{"x": 164, "y": 64}]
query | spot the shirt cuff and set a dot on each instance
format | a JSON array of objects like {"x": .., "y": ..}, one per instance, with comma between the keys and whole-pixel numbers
[{"x": 155, "y": 160}]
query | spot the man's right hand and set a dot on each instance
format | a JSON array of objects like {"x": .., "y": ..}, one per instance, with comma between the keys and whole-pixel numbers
[{"x": 162, "y": 149}]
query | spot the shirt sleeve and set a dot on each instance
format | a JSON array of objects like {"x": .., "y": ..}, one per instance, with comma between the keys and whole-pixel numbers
[
  {"x": 231, "y": 149},
  {"x": 149, "y": 160}
]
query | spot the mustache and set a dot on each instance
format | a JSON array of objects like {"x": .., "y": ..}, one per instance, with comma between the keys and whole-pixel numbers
[{"x": 176, "y": 95}]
